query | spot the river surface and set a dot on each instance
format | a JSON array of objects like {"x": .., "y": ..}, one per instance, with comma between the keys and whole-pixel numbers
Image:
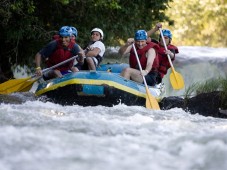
[{"x": 37, "y": 135}]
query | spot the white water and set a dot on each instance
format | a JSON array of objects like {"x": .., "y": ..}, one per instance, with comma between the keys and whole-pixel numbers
[
  {"x": 198, "y": 64},
  {"x": 46, "y": 136}
]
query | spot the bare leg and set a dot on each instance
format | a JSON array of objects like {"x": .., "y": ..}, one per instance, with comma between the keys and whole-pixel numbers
[
  {"x": 74, "y": 69},
  {"x": 57, "y": 73},
  {"x": 126, "y": 73},
  {"x": 133, "y": 74},
  {"x": 91, "y": 64},
  {"x": 53, "y": 74}
]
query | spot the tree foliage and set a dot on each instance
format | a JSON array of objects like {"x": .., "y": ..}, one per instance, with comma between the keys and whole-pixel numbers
[
  {"x": 27, "y": 25},
  {"x": 199, "y": 22}
]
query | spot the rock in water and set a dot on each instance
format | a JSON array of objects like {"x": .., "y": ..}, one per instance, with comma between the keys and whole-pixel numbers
[{"x": 206, "y": 104}]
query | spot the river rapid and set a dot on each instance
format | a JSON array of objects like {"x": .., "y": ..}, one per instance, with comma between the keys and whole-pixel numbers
[{"x": 38, "y": 135}]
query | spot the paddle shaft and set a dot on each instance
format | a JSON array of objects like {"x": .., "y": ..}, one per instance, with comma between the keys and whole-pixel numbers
[
  {"x": 153, "y": 104},
  {"x": 138, "y": 61},
  {"x": 17, "y": 85},
  {"x": 59, "y": 64},
  {"x": 164, "y": 42},
  {"x": 176, "y": 79}
]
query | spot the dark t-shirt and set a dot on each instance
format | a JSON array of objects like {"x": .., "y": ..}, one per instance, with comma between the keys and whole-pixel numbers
[{"x": 52, "y": 46}]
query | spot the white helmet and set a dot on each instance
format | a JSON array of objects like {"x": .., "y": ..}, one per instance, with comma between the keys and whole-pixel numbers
[{"x": 98, "y": 30}]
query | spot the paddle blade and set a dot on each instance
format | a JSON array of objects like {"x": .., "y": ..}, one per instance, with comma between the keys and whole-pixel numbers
[
  {"x": 151, "y": 102},
  {"x": 16, "y": 85},
  {"x": 176, "y": 80}
]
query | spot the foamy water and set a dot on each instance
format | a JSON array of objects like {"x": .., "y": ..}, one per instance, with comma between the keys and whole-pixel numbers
[
  {"x": 37, "y": 135},
  {"x": 197, "y": 65},
  {"x": 45, "y": 136}
]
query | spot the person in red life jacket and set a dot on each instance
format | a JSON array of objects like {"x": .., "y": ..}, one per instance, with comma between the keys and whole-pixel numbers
[
  {"x": 55, "y": 37},
  {"x": 57, "y": 51},
  {"x": 73, "y": 35},
  {"x": 93, "y": 52},
  {"x": 164, "y": 64},
  {"x": 148, "y": 59}
]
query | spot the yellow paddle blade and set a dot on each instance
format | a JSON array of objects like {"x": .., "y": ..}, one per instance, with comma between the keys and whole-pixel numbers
[
  {"x": 151, "y": 102},
  {"x": 176, "y": 80},
  {"x": 16, "y": 85}
]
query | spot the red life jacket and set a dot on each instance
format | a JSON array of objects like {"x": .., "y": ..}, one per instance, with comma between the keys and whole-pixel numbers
[
  {"x": 61, "y": 54},
  {"x": 142, "y": 57},
  {"x": 56, "y": 37},
  {"x": 164, "y": 64}
]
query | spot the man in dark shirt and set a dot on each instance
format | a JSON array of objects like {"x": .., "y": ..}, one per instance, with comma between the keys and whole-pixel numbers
[{"x": 57, "y": 51}]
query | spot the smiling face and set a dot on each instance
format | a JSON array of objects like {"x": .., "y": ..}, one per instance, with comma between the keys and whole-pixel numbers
[
  {"x": 141, "y": 43},
  {"x": 95, "y": 36},
  {"x": 65, "y": 41}
]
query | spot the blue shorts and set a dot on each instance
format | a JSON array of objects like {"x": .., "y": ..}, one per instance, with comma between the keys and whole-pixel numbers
[
  {"x": 66, "y": 72},
  {"x": 46, "y": 77}
]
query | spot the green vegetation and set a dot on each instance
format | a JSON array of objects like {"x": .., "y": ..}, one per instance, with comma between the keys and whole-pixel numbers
[
  {"x": 27, "y": 25},
  {"x": 211, "y": 85},
  {"x": 199, "y": 22}
]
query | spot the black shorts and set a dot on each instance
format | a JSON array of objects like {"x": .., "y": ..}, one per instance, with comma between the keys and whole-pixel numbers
[
  {"x": 84, "y": 66},
  {"x": 153, "y": 78}
]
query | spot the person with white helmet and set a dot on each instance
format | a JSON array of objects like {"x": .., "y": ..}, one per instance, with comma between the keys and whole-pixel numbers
[
  {"x": 56, "y": 52},
  {"x": 93, "y": 53},
  {"x": 147, "y": 52}
]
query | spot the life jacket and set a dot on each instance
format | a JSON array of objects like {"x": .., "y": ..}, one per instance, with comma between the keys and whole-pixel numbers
[
  {"x": 61, "y": 54},
  {"x": 56, "y": 37},
  {"x": 164, "y": 64},
  {"x": 142, "y": 57}
]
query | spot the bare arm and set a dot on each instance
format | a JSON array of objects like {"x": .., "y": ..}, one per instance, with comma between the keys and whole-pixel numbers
[
  {"x": 38, "y": 63},
  {"x": 38, "y": 60},
  {"x": 170, "y": 53},
  {"x": 151, "y": 54},
  {"x": 156, "y": 28},
  {"x": 127, "y": 47},
  {"x": 93, "y": 52}
]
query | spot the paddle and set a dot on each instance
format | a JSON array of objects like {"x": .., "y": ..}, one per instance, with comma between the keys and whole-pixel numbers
[
  {"x": 25, "y": 84},
  {"x": 176, "y": 79},
  {"x": 151, "y": 102}
]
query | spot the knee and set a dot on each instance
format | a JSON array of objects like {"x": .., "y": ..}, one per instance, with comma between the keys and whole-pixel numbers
[
  {"x": 126, "y": 70},
  {"x": 75, "y": 69},
  {"x": 57, "y": 73},
  {"x": 89, "y": 60}
]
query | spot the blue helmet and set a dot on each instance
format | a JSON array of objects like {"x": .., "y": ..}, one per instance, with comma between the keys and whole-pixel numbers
[
  {"x": 167, "y": 33},
  {"x": 65, "y": 31},
  {"x": 74, "y": 31},
  {"x": 141, "y": 35}
]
